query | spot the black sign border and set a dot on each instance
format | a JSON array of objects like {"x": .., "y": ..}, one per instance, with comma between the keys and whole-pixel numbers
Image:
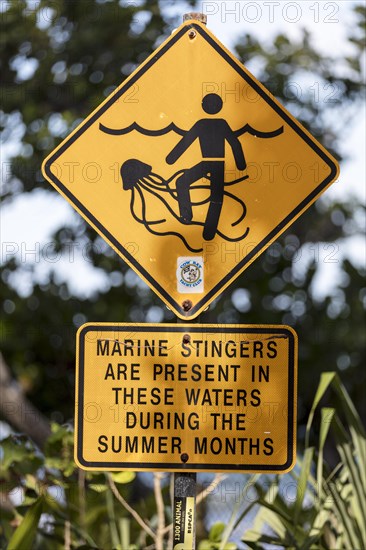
[
  {"x": 123, "y": 251},
  {"x": 175, "y": 467}
]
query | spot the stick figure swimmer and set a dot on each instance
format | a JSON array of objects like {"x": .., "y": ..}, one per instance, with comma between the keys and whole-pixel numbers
[
  {"x": 212, "y": 134},
  {"x": 144, "y": 183}
]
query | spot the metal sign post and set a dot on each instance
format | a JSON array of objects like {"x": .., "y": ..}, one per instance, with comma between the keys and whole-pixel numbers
[
  {"x": 184, "y": 511},
  {"x": 185, "y": 483}
]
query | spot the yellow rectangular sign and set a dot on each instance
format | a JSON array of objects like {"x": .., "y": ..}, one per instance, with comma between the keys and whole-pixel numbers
[{"x": 186, "y": 397}]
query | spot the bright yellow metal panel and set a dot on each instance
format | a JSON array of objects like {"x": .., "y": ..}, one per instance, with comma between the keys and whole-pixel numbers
[
  {"x": 190, "y": 169},
  {"x": 186, "y": 397}
]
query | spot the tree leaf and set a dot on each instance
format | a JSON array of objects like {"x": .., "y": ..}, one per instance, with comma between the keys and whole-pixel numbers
[
  {"x": 325, "y": 380},
  {"x": 123, "y": 477},
  {"x": 24, "y": 535},
  {"x": 327, "y": 415},
  {"x": 97, "y": 487},
  {"x": 205, "y": 545},
  {"x": 302, "y": 484},
  {"x": 216, "y": 531},
  {"x": 14, "y": 449}
]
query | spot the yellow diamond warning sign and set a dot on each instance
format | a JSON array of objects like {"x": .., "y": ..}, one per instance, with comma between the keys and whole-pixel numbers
[
  {"x": 181, "y": 397},
  {"x": 190, "y": 169}
]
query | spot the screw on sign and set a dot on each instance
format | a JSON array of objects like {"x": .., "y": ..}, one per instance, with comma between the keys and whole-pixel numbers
[{"x": 187, "y": 173}]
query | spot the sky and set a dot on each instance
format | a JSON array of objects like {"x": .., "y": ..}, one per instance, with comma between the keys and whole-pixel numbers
[{"x": 28, "y": 222}]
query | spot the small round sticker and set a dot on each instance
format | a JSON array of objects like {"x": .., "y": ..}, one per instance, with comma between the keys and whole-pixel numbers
[{"x": 190, "y": 274}]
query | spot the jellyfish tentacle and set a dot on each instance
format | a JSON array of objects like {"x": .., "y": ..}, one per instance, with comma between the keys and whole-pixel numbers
[
  {"x": 152, "y": 184},
  {"x": 242, "y": 204},
  {"x": 160, "y": 184},
  {"x": 179, "y": 173},
  {"x": 163, "y": 233},
  {"x": 231, "y": 239},
  {"x": 238, "y": 180},
  {"x": 176, "y": 216},
  {"x": 162, "y": 199},
  {"x": 143, "y": 220},
  {"x": 197, "y": 187},
  {"x": 148, "y": 181},
  {"x": 135, "y": 216},
  {"x": 175, "y": 234},
  {"x": 158, "y": 179}
]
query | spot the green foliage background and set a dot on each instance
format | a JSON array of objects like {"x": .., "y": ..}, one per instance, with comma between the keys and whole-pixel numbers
[{"x": 79, "y": 52}]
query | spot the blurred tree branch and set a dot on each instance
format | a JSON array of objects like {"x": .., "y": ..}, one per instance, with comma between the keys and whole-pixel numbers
[
  {"x": 129, "y": 508},
  {"x": 18, "y": 411}
]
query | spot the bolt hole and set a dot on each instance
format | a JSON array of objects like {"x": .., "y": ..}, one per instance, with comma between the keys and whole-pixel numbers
[
  {"x": 187, "y": 305},
  {"x": 186, "y": 339},
  {"x": 184, "y": 457},
  {"x": 192, "y": 34}
]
